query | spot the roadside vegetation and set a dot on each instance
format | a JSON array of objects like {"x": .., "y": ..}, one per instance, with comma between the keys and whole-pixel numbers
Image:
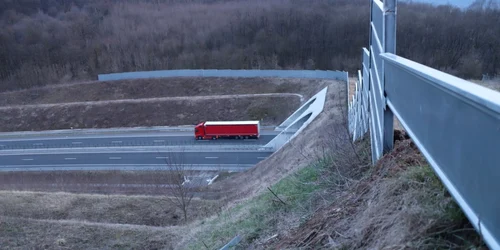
[
  {"x": 154, "y": 102},
  {"x": 312, "y": 194},
  {"x": 397, "y": 204},
  {"x": 270, "y": 110}
]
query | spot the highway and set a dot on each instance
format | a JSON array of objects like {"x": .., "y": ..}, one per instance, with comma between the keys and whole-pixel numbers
[
  {"x": 165, "y": 139},
  {"x": 132, "y": 158},
  {"x": 127, "y": 150}
]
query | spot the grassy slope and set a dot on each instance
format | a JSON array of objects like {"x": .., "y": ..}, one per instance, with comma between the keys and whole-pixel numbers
[
  {"x": 400, "y": 204},
  {"x": 20, "y": 234},
  {"x": 146, "y": 102},
  {"x": 158, "y": 87},
  {"x": 115, "y": 209},
  {"x": 270, "y": 110}
]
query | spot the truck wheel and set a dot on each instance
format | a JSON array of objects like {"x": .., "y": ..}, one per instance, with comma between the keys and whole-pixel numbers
[
  {"x": 200, "y": 138},
  {"x": 214, "y": 138}
]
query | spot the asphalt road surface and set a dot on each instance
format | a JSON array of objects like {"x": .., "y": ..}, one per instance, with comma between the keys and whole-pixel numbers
[
  {"x": 127, "y": 149},
  {"x": 165, "y": 139},
  {"x": 135, "y": 160}
]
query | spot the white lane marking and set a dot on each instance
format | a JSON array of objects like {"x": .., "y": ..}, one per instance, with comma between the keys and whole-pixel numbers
[
  {"x": 211, "y": 157},
  {"x": 37, "y": 144},
  {"x": 1, "y": 145},
  {"x": 159, "y": 140},
  {"x": 77, "y": 142},
  {"x": 69, "y": 159},
  {"x": 261, "y": 157},
  {"x": 116, "y": 142},
  {"x": 160, "y": 157},
  {"x": 115, "y": 158},
  {"x": 28, "y": 159}
]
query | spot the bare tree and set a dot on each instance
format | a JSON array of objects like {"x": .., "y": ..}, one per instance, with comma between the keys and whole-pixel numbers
[{"x": 181, "y": 194}]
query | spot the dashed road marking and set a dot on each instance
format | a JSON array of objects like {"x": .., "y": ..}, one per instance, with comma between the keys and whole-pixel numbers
[
  {"x": 76, "y": 142},
  {"x": 211, "y": 157},
  {"x": 159, "y": 140},
  {"x": 116, "y": 142},
  {"x": 69, "y": 159},
  {"x": 161, "y": 157},
  {"x": 261, "y": 157},
  {"x": 115, "y": 158},
  {"x": 28, "y": 159},
  {"x": 37, "y": 144}
]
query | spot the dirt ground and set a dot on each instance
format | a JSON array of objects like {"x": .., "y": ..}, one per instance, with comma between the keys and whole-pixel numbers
[
  {"x": 154, "y": 102},
  {"x": 113, "y": 209},
  {"x": 152, "y": 112},
  {"x": 162, "y": 87},
  {"x": 23, "y": 233}
]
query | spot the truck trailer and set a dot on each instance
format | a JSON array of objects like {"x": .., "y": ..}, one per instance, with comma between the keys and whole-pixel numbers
[{"x": 213, "y": 130}]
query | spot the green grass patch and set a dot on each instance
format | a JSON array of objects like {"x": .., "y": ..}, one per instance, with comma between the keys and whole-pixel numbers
[
  {"x": 261, "y": 215},
  {"x": 451, "y": 228}
]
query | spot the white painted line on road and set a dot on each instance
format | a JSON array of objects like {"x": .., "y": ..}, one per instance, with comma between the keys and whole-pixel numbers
[
  {"x": 116, "y": 142},
  {"x": 211, "y": 157},
  {"x": 1, "y": 145},
  {"x": 115, "y": 158},
  {"x": 27, "y": 159},
  {"x": 69, "y": 159},
  {"x": 160, "y": 157},
  {"x": 77, "y": 142},
  {"x": 37, "y": 144},
  {"x": 159, "y": 140},
  {"x": 261, "y": 157}
]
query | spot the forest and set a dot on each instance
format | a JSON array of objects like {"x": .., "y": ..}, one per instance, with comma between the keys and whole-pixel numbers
[{"x": 46, "y": 42}]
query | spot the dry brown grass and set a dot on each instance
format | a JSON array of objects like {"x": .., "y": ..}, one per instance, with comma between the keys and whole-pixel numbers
[
  {"x": 399, "y": 204},
  {"x": 154, "y": 102},
  {"x": 21, "y": 233},
  {"x": 270, "y": 110},
  {"x": 114, "y": 209},
  {"x": 161, "y": 87}
]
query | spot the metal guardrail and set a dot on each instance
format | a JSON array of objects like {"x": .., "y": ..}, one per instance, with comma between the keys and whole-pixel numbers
[
  {"x": 455, "y": 123},
  {"x": 319, "y": 74}
]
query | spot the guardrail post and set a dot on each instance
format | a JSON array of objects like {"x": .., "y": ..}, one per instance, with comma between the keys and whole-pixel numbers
[{"x": 390, "y": 47}]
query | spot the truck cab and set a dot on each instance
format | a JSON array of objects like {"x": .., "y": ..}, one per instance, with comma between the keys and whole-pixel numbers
[{"x": 199, "y": 131}]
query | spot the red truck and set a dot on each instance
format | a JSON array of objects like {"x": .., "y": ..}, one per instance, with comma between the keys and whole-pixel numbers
[{"x": 227, "y": 129}]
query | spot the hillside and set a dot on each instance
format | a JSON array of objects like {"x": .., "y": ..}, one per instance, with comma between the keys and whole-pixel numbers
[
  {"x": 52, "y": 42},
  {"x": 325, "y": 194},
  {"x": 154, "y": 102}
]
